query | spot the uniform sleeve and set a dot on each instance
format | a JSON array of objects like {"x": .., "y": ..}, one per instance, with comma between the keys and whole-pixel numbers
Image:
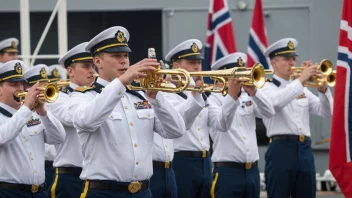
[
  {"x": 168, "y": 122},
  {"x": 60, "y": 109},
  {"x": 281, "y": 97},
  {"x": 189, "y": 108},
  {"x": 263, "y": 107},
  {"x": 90, "y": 112},
  {"x": 54, "y": 131},
  {"x": 320, "y": 105},
  {"x": 221, "y": 117},
  {"x": 12, "y": 127}
]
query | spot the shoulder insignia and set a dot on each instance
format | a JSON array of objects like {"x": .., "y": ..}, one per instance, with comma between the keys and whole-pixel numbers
[
  {"x": 66, "y": 90},
  {"x": 84, "y": 89}
]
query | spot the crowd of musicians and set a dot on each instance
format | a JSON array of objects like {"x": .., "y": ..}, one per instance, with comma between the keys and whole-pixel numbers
[{"x": 101, "y": 139}]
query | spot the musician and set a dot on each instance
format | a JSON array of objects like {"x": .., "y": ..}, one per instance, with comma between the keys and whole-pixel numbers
[
  {"x": 115, "y": 125},
  {"x": 192, "y": 163},
  {"x": 235, "y": 152},
  {"x": 289, "y": 161},
  {"x": 38, "y": 73},
  {"x": 23, "y": 131},
  {"x": 8, "y": 50},
  {"x": 68, "y": 161}
]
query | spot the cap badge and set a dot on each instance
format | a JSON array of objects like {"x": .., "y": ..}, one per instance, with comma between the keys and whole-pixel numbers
[
  {"x": 55, "y": 73},
  {"x": 120, "y": 36},
  {"x": 18, "y": 68},
  {"x": 13, "y": 45},
  {"x": 43, "y": 73},
  {"x": 194, "y": 47},
  {"x": 240, "y": 61},
  {"x": 290, "y": 45}
]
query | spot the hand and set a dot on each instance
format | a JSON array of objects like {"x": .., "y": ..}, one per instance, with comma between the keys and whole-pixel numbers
[
  {"x": 309, "y": 71},
  {"x": 137, "y": 70},
  {"x": 234, "y": 88},
  {"x": 323, "y": 88},
  {"x": 307, "y": 63},
  {"x": 31, "y": 96},
  {"x": 40, "y": 109},
  {"x": 251, "y": 90},
  {"x": 198, "y": 83}
]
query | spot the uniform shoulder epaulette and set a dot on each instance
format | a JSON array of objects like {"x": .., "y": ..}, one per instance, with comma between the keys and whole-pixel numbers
[
  {"x": 84, "y": 89},
  {"x": 66, "y": 90}
]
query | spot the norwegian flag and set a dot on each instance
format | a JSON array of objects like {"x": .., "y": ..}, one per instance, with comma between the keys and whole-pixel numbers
[
  {"x": 258, "y": 41},
  {"x": 341, "y": 132},
  {"x": 220, "y": 34}
]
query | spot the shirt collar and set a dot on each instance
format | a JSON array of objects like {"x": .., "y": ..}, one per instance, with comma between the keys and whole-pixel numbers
[
  {"x": 281, "y": 80},
  {"x": 102, "y": 82},
  {"x": 8, "y": 108},
  {"x": 73, "y": 85}
]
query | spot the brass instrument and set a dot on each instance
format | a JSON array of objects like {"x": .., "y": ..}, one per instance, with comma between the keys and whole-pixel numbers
[
  {"x": 62, "y": 83},
  {"x": 48, "y": 94},
  {"x": 268, "y": 71},
  {"x": 326, "y": 69},
  {"x": 331, "y": 79},
  {"x": 155, "y": 80},
  {"x": 254, "y": 76}
]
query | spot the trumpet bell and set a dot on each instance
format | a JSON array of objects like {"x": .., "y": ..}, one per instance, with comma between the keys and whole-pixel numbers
[
  {"x": 325, "y": 67},
  {"x": 331, "y": 79},
  {"x": 49, "y": 94},
  {"x": 257, "y": 76}
]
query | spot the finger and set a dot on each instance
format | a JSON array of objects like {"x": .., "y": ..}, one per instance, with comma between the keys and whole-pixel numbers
[
  {"x": 146, "y": 68},
  {"x": 40, "y": 88},
  {"x": 141, "y": 75},
  {"x": 149, "y": 60}
]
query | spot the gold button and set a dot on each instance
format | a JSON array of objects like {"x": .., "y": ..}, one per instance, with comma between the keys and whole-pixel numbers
[
  {"x": 137, "y": 163},
  {"x": 240, "y": 124},
  {"x": 201, "y": 139},
  {"x": 198, "y": 129},
  {"x": 126, "y": 107},
  {"x": 148, "y": 115},
  {"x": 111, "y": 116},
  {"x": 35, "y": 132},
  {"x": 135, "y": 145},
  {"x": 131, "y": 124},
  {"x": 35, "y": 171},
  {"x": 135, "y": 177},
  {"x": 244, "y": 137},
  {"x": 119, "y": 92}
]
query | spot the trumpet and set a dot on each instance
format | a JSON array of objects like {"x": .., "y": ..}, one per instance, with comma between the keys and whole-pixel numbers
[
  {"x": 155, "y": 81},
  {"x": 48, "y": 94},
  {"x": 326, "y": 69},
  {"x": 254, "y": 76}
]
